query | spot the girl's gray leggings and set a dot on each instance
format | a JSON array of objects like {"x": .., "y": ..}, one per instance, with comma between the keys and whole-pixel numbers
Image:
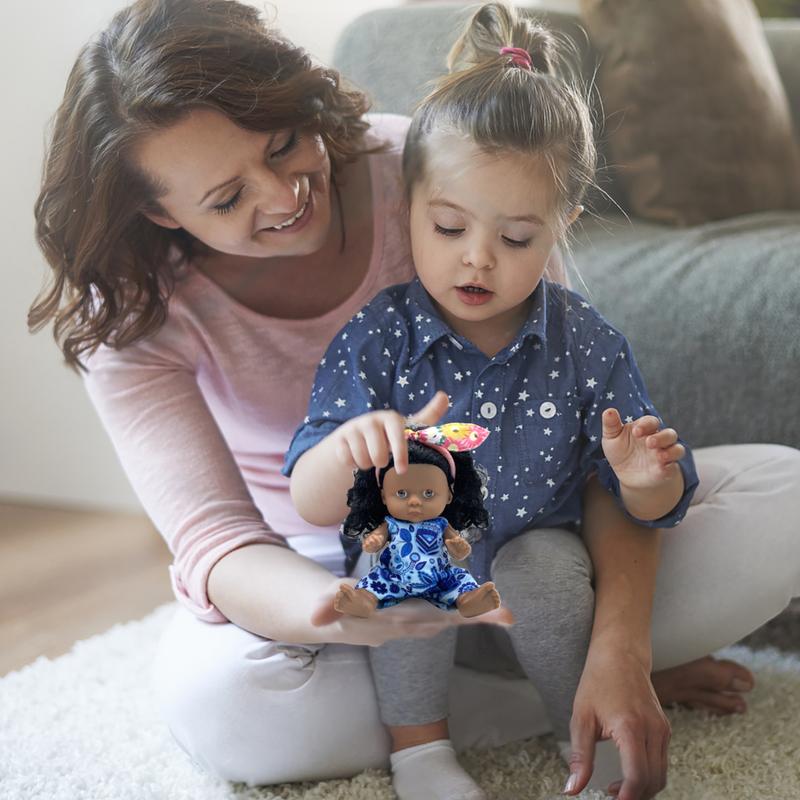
[{"x": 545, "y": 577}]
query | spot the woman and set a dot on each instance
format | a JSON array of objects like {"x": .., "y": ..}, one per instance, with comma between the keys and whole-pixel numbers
[{"x": 214, "y": 208}]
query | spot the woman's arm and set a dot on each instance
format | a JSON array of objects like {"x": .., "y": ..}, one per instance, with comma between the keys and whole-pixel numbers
[
  {"x": 228, "y": 564},
  {"x": 615, "y": 698}
]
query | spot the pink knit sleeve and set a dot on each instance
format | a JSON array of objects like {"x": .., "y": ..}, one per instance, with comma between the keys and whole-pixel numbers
[{"x": 177, "y": 461}]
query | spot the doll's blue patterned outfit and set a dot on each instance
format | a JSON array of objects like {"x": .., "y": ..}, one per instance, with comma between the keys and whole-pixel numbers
[{"x": 415, "y": 563}]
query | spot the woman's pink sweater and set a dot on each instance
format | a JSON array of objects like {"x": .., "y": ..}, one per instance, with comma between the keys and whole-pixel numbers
[{"x": 202, "y": 412}]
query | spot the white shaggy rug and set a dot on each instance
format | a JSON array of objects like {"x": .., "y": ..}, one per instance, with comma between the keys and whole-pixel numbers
[{"x": 84, "y": 726}]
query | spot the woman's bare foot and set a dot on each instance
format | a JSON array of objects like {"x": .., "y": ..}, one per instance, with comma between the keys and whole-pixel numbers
[
  {"x": 356, "y": 602},
  {"x": 478, "y": 601},
  {"x": 709, "y": 684}
]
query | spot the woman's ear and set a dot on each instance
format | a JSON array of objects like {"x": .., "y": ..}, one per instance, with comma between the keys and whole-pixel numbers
[{"x": 162, "y": 218}]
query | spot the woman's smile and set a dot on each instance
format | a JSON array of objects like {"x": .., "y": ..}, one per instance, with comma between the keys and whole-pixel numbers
[{"x": 296, "y": 222}]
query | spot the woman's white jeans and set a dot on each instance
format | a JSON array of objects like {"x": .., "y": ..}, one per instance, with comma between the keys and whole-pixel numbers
[{"x": 253, "y": 710}]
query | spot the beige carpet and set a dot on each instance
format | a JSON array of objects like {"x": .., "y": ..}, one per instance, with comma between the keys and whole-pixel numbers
[{"x": 85, "y": 726}]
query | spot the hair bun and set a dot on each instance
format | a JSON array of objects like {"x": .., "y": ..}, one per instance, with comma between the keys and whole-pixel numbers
[{"x": 494, "y": 26}]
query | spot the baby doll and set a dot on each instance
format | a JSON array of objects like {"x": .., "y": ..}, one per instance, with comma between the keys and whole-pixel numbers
[{"x": 418, "y": 515}]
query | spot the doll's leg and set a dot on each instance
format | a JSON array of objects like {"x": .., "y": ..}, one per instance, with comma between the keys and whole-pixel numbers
[{"x": 253, "y": 710}]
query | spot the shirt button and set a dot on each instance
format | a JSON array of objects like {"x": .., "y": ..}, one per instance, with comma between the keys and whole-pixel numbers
[
  {"x": 488, "y": 410},
  {"x": 547, "y": 410}
]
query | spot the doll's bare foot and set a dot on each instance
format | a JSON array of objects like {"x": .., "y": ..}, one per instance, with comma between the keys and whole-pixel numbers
[
  {"x": 356, "y": 602},
  {"x": 714, "y": 685},
  {"x": 478, "y": 601}
]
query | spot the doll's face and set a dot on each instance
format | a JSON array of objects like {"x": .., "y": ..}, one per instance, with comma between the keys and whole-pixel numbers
[{"x": 422, "y": 493}]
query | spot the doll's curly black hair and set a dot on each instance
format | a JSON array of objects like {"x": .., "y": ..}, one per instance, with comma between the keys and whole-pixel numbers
[{"x": 367, "y": 509}]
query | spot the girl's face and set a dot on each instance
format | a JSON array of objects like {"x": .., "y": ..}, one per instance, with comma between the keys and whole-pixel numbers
[
  {"x": 239, "y": 191},
  {"x": 421, "y": 493},
  {"x": 482, "y": 231}
]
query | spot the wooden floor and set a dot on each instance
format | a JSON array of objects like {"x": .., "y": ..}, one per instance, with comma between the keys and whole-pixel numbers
[{"x": 66, "y": 575}]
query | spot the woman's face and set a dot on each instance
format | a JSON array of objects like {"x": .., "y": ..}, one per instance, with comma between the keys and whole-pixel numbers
[{"x": 239, "y": 191}]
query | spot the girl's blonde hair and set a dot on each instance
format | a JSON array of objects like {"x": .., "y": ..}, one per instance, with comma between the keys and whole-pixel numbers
[
  {"x": 113, "y": 269},
  {"x": 503, "y": 106}
]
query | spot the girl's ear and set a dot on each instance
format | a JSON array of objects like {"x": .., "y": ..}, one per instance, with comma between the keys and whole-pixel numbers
[
  {"x": 574, "y": 214},
  {"x": 451, "y": 496},
  {"x": 163, "y": 219}
]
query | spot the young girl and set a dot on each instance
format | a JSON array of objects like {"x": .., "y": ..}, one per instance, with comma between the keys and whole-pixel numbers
[
  {"x": 496, "y": 163},
  {"x": 214, "y": 207}
]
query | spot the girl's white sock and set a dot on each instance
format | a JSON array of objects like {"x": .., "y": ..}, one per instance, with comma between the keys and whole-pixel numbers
[{"x": 431, "y": 772}]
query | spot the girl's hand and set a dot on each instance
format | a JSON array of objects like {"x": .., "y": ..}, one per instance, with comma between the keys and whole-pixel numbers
[
  {"x": 616, "y": 700},
  {"x": 641, "y": 455},
  {"x": 368, "y": 440}
]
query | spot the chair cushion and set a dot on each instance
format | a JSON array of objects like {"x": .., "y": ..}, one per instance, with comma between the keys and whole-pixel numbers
[
  {"x": 712, "y": 314},
  {"x": 697, "y": 119}
]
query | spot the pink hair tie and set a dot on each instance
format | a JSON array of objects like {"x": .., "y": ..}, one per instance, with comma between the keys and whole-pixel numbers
[{"x": 519, "y": 57}]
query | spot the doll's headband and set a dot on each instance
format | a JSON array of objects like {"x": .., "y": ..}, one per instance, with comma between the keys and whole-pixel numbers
[{"x": 455, "y": 437}]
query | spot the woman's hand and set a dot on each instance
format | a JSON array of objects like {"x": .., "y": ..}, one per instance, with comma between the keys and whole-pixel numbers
[
  {"x": 616, "y": 700},
  {"x": 412, "y": 618},
  {"x": 368, "y": 440}
]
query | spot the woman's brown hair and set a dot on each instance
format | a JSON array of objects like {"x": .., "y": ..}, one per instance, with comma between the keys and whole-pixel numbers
[{"x": 113, "y": 269}]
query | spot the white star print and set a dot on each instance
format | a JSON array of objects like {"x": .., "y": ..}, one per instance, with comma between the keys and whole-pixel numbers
[
  {"x": 521, "y": 512},
  {"x": 341, "y": 403},
  {"x": 523, "y": 395},
  {"x": 591, "y": 383},
  {"x": 402, "y": 381},
  {"x": 554, "y": 374},
  {"x": 458, "y": 376}
]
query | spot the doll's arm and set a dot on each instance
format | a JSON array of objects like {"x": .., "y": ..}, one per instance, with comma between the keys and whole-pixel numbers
[
  {"x": 376, "y": 539},
  {"x": 456, "y": 544}
]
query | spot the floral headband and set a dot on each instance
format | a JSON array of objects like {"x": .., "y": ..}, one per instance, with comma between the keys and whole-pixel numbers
[{"x": 455, "y": 437}]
